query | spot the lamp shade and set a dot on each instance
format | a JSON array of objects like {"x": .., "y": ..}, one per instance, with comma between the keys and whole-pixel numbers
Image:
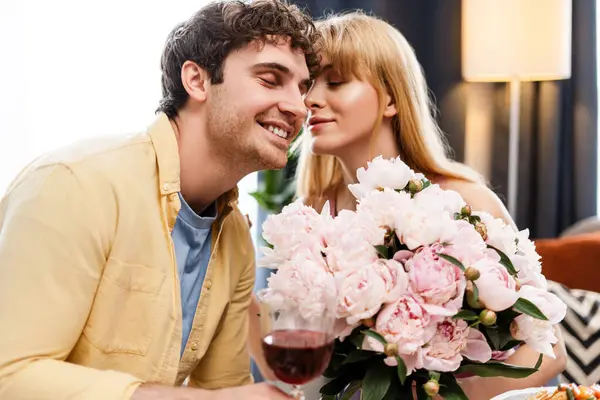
[{"x": 504, "y": 40}]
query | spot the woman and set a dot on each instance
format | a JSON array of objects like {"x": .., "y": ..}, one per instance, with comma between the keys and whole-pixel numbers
[{"x": 369, "y": 99}]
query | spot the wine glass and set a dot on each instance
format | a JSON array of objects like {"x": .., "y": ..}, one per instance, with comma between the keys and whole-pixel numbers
[{"x": 297, "y": 349}]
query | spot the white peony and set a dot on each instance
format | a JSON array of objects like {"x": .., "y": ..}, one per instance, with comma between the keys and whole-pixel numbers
[{"x": 381, "y": 173}]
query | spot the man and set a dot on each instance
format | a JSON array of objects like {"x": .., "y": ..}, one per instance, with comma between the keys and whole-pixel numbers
[{"x": 125, "y": 266}]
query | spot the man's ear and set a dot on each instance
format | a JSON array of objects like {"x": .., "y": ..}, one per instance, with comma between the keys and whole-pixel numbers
[
  {"x": 195, "y": 81},
  {"x": 390, "y": 108}
]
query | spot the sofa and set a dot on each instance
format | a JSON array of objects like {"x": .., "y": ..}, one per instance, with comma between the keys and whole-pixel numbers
[{"x": 571, "y": 263}]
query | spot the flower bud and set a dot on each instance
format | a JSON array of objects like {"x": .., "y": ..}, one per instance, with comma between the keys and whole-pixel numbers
[
  {"x": 466, "y": 210},
  {"x": 514, "y": 330},
  {"x": 369, "y": 322},
  {"x": 488, "y": 317},
  {"x": 391, "y": 349},
  {"x": 471, "y": 297},
  {"x": 481, "y": 229},
  {"x": 432, "y": 388},
  {"x": 518, "y": 284},
  {"x": 415, "y": 186},
  {"x": 472, "y": 274}
]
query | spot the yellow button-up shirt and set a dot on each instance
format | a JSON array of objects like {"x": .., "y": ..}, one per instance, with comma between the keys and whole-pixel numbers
[{"x": 89, "y": 292}]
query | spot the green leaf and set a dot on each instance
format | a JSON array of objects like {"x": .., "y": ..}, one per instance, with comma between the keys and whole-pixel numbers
[
  {"x": 401, "y": 369},
  {"x": 398, "y": 391},
  {"x": 375, "y": 336},
  {"x": 475, "y": 292},
  {"x": 334, "y": 364},
  {"x": 526, "y": 307},
  {"x": 494, "y": 337},
  {"x": 467, "y": 315},
  {"x": 376, "y": 382},
  {"x": 505, "y": 336},
  {"x": 421, "y": 395},
  {"x": 452, "y": 260},
  {"x": 384, "y": 251},
  {"x": 538, "y": 364},
  {"x": 356, "y": 340},
  {"x": 450, "y": 389},
  {"x": 426, "y": 184},
  {"x": 272, "y": 180},
  {"x": 474, "y": 219},
  {"x": 358, "y": 355},
  {"x": 335, "y": 386},
  {"x": 434, "y": 375},
  {"x": 504, "y": 260},
  {"x": 263, "y": 201},
  {"x": 351, "y": 389},
  {"x": 493, "y": 368}
]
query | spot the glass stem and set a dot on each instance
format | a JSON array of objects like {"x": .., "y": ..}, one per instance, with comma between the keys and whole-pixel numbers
[{"x": 298, "y": 393}]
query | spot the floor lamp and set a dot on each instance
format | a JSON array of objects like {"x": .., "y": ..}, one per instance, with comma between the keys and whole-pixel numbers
[{"x": 515, "y": 41}]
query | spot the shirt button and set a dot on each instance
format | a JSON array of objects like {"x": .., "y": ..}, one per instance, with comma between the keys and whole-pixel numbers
[
  {"x": 194, "y": 346},
  {"x": 166, "y": 186},
  {"x": 208, "y": 284}
]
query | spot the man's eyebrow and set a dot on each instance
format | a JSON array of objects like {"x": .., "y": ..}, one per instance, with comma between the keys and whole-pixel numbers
[{"x": 272, "y": 65}]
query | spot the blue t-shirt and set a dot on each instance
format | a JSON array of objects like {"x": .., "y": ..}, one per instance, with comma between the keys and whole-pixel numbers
[{"x": 191, "y": 237}]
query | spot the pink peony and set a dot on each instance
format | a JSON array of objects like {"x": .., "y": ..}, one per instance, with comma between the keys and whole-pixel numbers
[
  {"x": 497, "y": 288},
  {"x": 439, "y": 283},
  {"x": 467, "y": 246},
  {"x": 304, "y": 285},
  {"x": 362, "y": 292},
  {"x": 503, "y": 355},
  {"x": 453, "y": 340},
  {"x": 349, "y": 245},
  {"x": 407, "y": 324},
  {"x": 296, "y": 226},
  {"x": 293, "y": 225}
]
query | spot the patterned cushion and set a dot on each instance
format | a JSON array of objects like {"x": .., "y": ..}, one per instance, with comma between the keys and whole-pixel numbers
[{"x": 581, "y": 331}]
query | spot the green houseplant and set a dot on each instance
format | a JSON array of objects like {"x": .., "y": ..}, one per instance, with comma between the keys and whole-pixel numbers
[{"x": 276, "y": 188}]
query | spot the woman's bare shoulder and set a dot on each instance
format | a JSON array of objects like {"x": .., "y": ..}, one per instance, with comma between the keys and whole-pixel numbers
[{"x": 478, "y": 196}]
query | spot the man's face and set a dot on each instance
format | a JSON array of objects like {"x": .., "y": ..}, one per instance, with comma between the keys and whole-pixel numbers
[{"x": 258, "y": 110}]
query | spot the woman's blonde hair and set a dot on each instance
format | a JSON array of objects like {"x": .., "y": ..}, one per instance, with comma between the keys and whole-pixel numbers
[{"x": 371, "y": 49}]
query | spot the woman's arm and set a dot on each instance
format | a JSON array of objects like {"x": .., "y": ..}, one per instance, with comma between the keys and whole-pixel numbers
[
  {"x": 482, "y": 198},
  {"x": 478, "y": 388}
]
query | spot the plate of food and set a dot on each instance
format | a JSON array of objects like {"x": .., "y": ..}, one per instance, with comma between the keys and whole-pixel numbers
[{"x": 562, "y": 392}]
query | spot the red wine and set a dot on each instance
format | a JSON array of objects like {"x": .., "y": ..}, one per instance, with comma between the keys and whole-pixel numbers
[{"x": 297, "y": 356}]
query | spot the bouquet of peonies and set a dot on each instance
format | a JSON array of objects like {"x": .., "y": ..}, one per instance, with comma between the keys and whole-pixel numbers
[{"x": 424, "y": 288}]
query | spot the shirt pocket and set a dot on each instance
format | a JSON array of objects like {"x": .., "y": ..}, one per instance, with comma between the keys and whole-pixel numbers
[{"x": 123, "y": 315}]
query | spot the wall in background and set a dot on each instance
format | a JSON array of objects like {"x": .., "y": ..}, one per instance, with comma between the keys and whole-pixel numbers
[{"x": 71, "y": 70}]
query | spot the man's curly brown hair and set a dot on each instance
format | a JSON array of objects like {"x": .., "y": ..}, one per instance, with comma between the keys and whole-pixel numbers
[{"x": 219, "y": 28}]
